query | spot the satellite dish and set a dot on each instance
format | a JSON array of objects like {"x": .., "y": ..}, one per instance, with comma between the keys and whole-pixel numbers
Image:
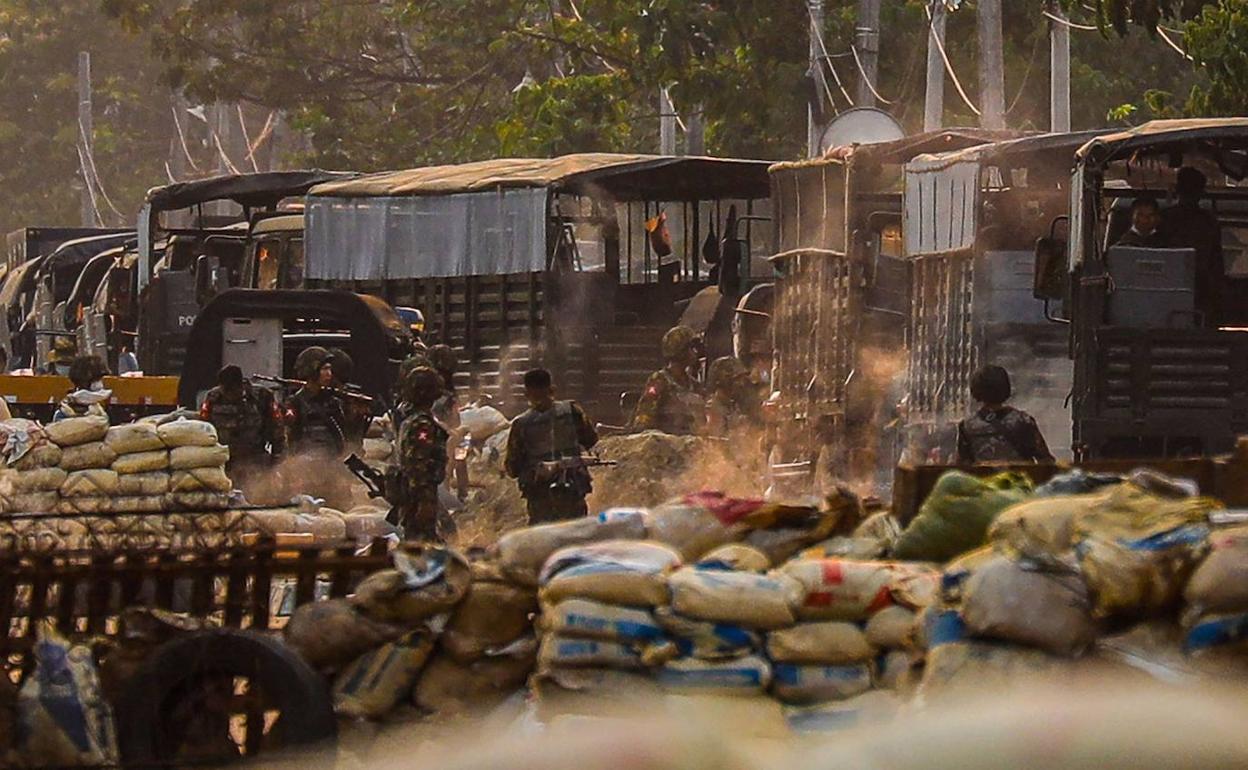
[{"x": 860, "y": 125}]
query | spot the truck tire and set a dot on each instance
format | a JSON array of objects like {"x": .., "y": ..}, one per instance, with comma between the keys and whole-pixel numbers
[{"x": 197, "y": 681}]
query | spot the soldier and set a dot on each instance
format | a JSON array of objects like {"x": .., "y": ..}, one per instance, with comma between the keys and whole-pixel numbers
[
  {"x": 358, "y": 412},
  {"x": 671, "y": 401},
  {"x": 422, "y": 456},
  {"x": 246, "y": 419},
  {"x": 443, "y": 359},
  {"x": 735, "y": 402},
  {"x": 999, "y": 433},
  {"x": 549, "y": 432},
  {"x": 314, "y": 414}
]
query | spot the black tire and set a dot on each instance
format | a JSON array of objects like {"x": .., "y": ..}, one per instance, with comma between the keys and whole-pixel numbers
[{"x": 148, "y": 728}]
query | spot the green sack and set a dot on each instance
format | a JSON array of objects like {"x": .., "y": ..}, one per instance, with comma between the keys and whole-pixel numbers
[{"x": 955, "y": 517}]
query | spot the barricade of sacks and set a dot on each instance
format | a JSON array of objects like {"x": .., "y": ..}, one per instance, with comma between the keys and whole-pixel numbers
[{"x": 85, "y": 466}]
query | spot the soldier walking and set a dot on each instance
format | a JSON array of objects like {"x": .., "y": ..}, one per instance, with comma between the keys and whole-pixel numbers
[
  {"x": 545, "y": 452},
  {"x": 997, "y": 432},
  {"x": 247, "y": 421},
  {"x": 422, "y": 456},
  {"x": 672, "y": 401}
]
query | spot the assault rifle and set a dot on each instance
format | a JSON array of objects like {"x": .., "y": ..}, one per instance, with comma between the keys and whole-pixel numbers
[
  {"x": 374, "y": 481},
  {"x": 558, "y": 473},
  {"x": 283, "y": 382}
]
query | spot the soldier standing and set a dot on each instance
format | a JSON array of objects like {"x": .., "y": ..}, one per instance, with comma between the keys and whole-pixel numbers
[
  {"x": 315, "y": 432},
  {"x": 246, "y": 419},
  {"x": 734, "y": 403},
  {"x": 422, "y": 456},
  {"x": 358, "y": 412},
  {"x": 550, "y": 434},
  {"x": 671, "y": 401},
  {"x": 999, "y": 433},
  {"x": 443, "y": 359}
]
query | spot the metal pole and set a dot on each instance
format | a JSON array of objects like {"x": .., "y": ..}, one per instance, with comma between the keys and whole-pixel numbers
[
  {"x": 1059, "y": 72},
  {"x": 86, "y": 137},
  {"x": 667, "y": 124},
  {"x": 868, "y": 44},
  {"x": 814, "y": 110},
  {"x": 991, "y": 65},
  {"x": 695, "y": 134},
  {"x": 934, "y": 102}
]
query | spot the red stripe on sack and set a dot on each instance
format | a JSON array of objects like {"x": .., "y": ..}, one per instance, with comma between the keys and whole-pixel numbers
[
  {"x": 833, "y": 573},
  {"x": 819, "y": 599},
  {"x": 882, "y": 599}
]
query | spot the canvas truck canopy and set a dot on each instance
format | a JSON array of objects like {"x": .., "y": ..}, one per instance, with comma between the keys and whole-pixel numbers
[
  {"x": 1165, "y": 136},
  {"x": 260, "y": 190},
  {"x": 490, "y": 217}
]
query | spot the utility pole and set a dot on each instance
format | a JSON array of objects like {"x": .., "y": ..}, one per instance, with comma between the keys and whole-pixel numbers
[
  {"x": 667, "y": 124},
  {"x": 868, "y": 49},
  {"x": 934, "y": 102},
  {"x": 695, "y": 132},
  {"x": 991, "y": 65},
  {"x": 86, "y": 136},
  {"x": 1059, "y": 72},
  {"x": 814, "y": 110}
]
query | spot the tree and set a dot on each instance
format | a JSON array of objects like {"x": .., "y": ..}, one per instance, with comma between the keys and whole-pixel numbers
[
  {"x": 1122, "y": 14},
  {"x": 1217, "y": 41}
]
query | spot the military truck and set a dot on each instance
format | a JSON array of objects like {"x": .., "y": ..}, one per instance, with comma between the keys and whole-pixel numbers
[{"x": 1159, "y": 336}]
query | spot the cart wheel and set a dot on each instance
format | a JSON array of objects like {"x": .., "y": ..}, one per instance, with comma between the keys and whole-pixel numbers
[{"x": 218, "y": 696}]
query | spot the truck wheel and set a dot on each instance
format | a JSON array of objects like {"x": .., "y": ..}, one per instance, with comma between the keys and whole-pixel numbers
[{"x": 218, "y": 696}]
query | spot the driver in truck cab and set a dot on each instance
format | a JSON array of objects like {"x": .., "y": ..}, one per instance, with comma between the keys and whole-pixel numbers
[{"x": 997, "y": 432}]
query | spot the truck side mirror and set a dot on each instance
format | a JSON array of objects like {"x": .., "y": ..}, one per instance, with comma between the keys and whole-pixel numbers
[
  {"x": 1049, "y": 278},
  {"x": 205, "y": 279}
]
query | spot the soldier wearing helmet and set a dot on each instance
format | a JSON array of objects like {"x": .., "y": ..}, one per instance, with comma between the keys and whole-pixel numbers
[
  {"x": 357, "y": 412},
  {"x": 422, "y": 455},
  {"x": 246, "y": 419},
  {"x": 443, "y": 359},
  {"x": 734, "y": 403},
  {"x": 672, "y": 401},
  {"x": 314, "y": 414}
]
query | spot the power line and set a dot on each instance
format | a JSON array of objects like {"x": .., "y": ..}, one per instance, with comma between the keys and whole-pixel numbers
[
  {"x": 828, "y": 58},
  {"x": 1174, "y": 45},
  {"x": 862, "y": 71},
  {"x": 1069, "y": 23},
  {"x": 944, "y": 56}
]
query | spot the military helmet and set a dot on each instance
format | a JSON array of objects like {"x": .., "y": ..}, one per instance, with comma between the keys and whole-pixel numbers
[
  {"x": 443, "y": 358},
  {"x": 422, "y": 385},
  {"x": 342, "y": 364},
  {"x": 677, "y": 341},
  {"x": 309, "y": 363},
  {"x": 726, "y": 371}
]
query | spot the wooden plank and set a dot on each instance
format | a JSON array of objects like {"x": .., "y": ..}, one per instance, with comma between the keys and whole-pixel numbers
[
  {"x": 43, "y": 569},
  {"x": 103, "y": 577},
  {"x": 261, "y": 588},
  {"x": 305, "y": 578},
  {"x": 236, "y": 589}
]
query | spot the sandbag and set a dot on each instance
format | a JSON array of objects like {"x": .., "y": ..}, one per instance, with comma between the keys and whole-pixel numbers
[
  {"x": 892, "y": 628},
  {"x": 197, "y": 501},
  {"x": 522, "y": 553},
  {"x": 692, "y": 530},
  {"x": 378, "y": 449},
  {"x": 738, "y": 598},
  {"x": 491, "y": 616},
  {"x": 77, "y": 430},
  {"x": 798, "y": 684},
  {"x": 749, "y": 675},
  {"x": 187, "y": 433},
  {"x": 1006, "y": 600},
  {"x": 423, "y": 583},
  {"x": 955, "y": 517},
  {"x": 34, "y": 502},
  {"x": 581, "y": 618},
  {"x": 896, "y": 671},
  {"x": 736, "y": 556},
  {"x": 142, "y": 484},
  {"x": 139, "y": 504},
  {"x": 1076, "y": 481},
  {"x": 332, "y": 633},
  {"x": 570, "y": 652},
  {"x": 707, "y": 640},
  {"x": 200, "y": 480},
  {"x": 592, "y": 691},
  {"x": 79, "y": 505},
  {"x": 42, "y": 455},
  {"x": 142, "y": 462},
  {"x": 95, "y": 454},
  {"x": 1220, "y": 583},
  {"x": 377, "y": 681},
  {"x": 630, "y": 573},
  {"x": 968, "y": 669},
  {"x": 481, "y": 422},
  {"x": 368, "y": 527},
  {"x": 63, "y": 719},
  {"x": 40, "y": 480},
  {"x": 829, "y": 643},
  {"x": 133, "y": 437},
  {"x": 852, "y": 548},
  {"x": 1214, "y": 633},
  {"x": 834, "y": 589},
  {"x": 91, "y": 483},
  {"x": 957, "y": 572},
  {"x": 448, "y": 687},
  {"x": 188, "y": 457},
  {"x": 1042, "y": 529},
  {"x": 870, "y": 708}
]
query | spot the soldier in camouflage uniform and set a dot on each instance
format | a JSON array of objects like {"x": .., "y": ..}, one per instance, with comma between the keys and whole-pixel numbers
[
  {"x": 735, "y": 403},
  {"x": 247, "y": 421},
  {"x": 422, "y": 456},
  {"x": 672, "y": 400},
  {"x": 999, "y": 433},
  {"x": 316, "y": 437},
  {"x": 550, "y": 431}
]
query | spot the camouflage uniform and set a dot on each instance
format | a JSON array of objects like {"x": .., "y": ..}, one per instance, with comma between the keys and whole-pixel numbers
[
  {"x": 316, "y": 441},
  {"x": 1001, "y": 434},
  {"x": 422, "y": 467},
  {"x": 735, "y": 403},
  {"x": 246, "y": 420},
  {"x": 558, "y": 433},
  {"x": 671, "y": 405}
]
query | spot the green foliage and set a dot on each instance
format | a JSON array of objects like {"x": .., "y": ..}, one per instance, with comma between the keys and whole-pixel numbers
[{"x": 1217, "y": 40}]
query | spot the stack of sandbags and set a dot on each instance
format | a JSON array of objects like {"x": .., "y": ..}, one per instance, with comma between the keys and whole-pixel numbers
[
  {"x": 521, "y": 554},
  {"x": 142, "y": 466},
  {"x": 197, "y": 478},
  {"x": 1217, "y": 597},
  {"x": 597, "y": 621},
  {"x": 487, "y": 650},
  {"x": 956, "y": 515},
  {"x": 89, "y": 484},
  {"x": 32, "y": 481}
]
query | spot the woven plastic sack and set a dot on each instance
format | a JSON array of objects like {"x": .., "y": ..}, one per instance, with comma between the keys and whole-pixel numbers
[
  {"x": 200, "y": 480},
  {"x": 40, "y": 480},
  {"x": 691, "y": 529},
  {"x": 581, "y": 618},
  {"x": 142, "y": 484},
  {"x": 570, "y": 652},
  {"x": 834, "y": 589},
  {"x": 377, "y": 681},
  {"x": 77, "y": 430},
  {"x": 139, "y": 504},
  {"x": 968, "y": 669},
  {"x": 956, "y": 515},
  {"x": 491, "y": 616},
  {"x": 78, "y": 506},
  {"x": 707, "y": 640},
  {"x": 631, "y": 573},
  {"x": 1220, "y": 583},
  {"x": 95, "y": 454},
  {"x": 188, "y": 457},
  {"x": 737, "y": 598},
  {"x": 1042, "y": 529},
  {"x": 871, "y": 708},
  {"x": 829, "y": 643},
  {"x": 1018, "y": 603},
  {"x": 892, "y": 628},
  {"x": 332, "y": 633},
  {"x": 197, "y": 501},
  {"x": 142, "y": 462},
  {"x": 522, "y": 553},
  {"x": 749, "y": 675},
  {"x": 92, "y": 483},
  {"x": 422, "y": 584},
  {"x": 1076, "y": 482},
  {"x": 186, "y": 433},
  {"x": 1214, "y": 633},
  {"x": 34, "y": 502},
  {"x": 134, "y": 437},
  {"x": 800, "y": 684},
  {"x": 43, "y": 455},
  {"x": 447, "y": 687},
  {"x": 736, "y": 556}
]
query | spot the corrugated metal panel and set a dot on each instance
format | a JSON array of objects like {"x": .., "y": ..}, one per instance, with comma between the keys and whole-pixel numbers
[
  {"x": 811, "y": 324},
  {"x": 941, "y": 208},
  {"x": 943, "y": 353}
]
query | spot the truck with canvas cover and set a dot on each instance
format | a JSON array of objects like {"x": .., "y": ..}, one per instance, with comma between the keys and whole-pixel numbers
[
  {"x": 972, "y": 218},
  {"x": 1158, "y": 331},
  {"x": 574, "y": 263},
  {"x": 27, "y": 243},
  {"x": 841, "y": 303}
]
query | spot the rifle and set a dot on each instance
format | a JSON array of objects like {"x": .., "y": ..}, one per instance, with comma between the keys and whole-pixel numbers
[
  {"x": 559, "y": 472},
  {"x": 375, "y": 481},
  {"x": 283, "y": 382},
  {"x": 604, "y": 429}
]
